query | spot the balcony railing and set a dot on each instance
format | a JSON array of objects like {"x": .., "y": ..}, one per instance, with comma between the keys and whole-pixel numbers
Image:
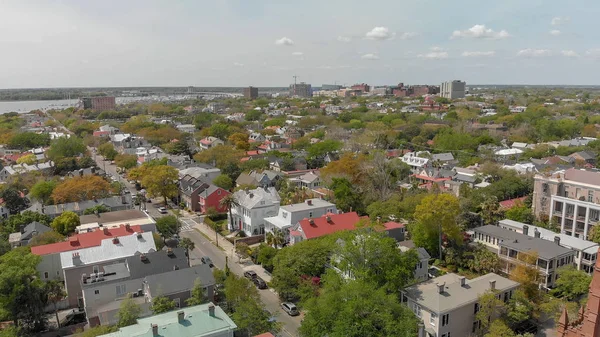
[{"x": 510, "y": 259}]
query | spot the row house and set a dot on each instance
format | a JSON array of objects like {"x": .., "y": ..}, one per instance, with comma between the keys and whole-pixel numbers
[{"x": 199, "y": 195}]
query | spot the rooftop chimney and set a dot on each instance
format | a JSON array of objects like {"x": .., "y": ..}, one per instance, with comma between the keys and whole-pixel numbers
[
  {"x": 525, "y": 229},
  {"x": 154, "y": 329},
  {"x": 127, "y": 227},
  {"x": 492, "y": 284},
  {"x": 180, "y": 316},
  {"x": 557, "y": 240},
  {"x": 328, "y": 218},
  {"x": 105, "y": 230},
  {"x": 311, "y": 222},
  {"x": 170, "y": 252},
  {"x": 309, "y": 202},
  {"x": 462, "y": 281},
  {"x": 441, "y": 287},
  {"x": 211, "y": 310},
  {"x": 116, "y": 240},
  {"x": 22, "y": 229},
  {"x": 143, "y": 258}
]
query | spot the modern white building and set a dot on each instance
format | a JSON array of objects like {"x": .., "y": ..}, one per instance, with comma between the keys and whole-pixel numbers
[
  {"x": 290, "y": 215},
  {"x": 447, "y": 305},
  {"x": 253, "y": 206},
  {"x": 415, "y": 161},
  {"x": 453, "y": 89}
]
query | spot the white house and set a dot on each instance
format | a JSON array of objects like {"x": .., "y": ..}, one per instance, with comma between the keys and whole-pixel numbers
[
  {"x": 415, "y": 162},
  {"x": 253, "y": 206},
  {"x": 188, "y": 128},
  {"x": 290, "y": 215},
  {"x": 210, "y": 142}
]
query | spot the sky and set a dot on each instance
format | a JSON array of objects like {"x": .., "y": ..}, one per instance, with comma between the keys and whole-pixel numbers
[{"x": 74, "y": 43}]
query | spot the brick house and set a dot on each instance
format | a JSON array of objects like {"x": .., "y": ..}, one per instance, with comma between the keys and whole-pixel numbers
[{"x": 199, "y": 195}]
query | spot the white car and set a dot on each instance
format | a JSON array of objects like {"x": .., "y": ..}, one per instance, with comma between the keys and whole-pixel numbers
[{"x": 162, "y": 210}]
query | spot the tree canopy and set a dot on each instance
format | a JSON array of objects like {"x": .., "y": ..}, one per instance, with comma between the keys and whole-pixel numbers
[
  {"x": 66, "y": 223},
  {"x": 81, "y": 188}
]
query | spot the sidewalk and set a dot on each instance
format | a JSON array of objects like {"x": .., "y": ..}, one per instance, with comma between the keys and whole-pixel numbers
[{"x": 229, "y": 250}]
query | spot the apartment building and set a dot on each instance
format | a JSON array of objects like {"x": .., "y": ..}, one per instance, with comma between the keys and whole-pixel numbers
[
  {"x": 99, "y": 103},
  {"x": 447, "y": 305},
  {"x": 251, "y": 92},
  {"x": 586, "y": 252},
  {"x": 453, "y": 89},
  {"x": 300, "y": 89},
  {"x": 512, "y": 247},
  {"x": 571, "y": 198}
]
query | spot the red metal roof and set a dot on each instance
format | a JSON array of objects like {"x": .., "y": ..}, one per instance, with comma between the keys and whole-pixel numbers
[
  {"x": 85, "y": 240},
  {"x": 506, "y": 204},
  {"x": 321, "y": 227},
  {"x": 393, "y": 225}
]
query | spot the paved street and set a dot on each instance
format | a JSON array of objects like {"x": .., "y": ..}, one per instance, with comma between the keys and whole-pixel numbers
[{"x": 204, "y": 247}]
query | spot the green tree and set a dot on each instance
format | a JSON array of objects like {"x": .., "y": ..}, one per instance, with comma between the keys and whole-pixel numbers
[
  {"x": 167, "y": 226},
  {"x": 42, "y": 191},
  {"x": 14, "y": 222},
  {"x": 198, "y": 297},
  {"x": 128, "y": 313},
  {"x": 276, "y": 238},
  {"x": 265, "y": 257},
  {"x": 571, "y": 283},
  {"x": 55, "y": 292},
  {"x": 66, "y": 148},
  {"x": 189, "y": 246},
  {"x": 323, "y": 147},
  {"x": 347, "y": 196},
  {"x": 499, "y": 329},
  {"x": 162, "y": 304},
  {"x": 46, "y": 238},
  {"x": 356, "y": 308},
  {"x": 490, "y": 308},
  {"x": 99, "y": 330},
  {"x": 229, "y": 202},
  {"x": 126, "y": 161},
  {"x": 13, "y": 200},
  {"x": 107, "y": 150},
  {"x": 223, "y": 181},
  {"x": 242, "y": 250},
  {"x": 159, "y": 180},
  {"x": 158, "y": 241},
  {"x": 490, "y": 211},
  {"x": 520, "y": 212},
  {"x": 594, "y": 235},
  {"x": 435, "y": 212},
  {"x": 66, "y": 223},
  {"x": 96, "y": 209}
]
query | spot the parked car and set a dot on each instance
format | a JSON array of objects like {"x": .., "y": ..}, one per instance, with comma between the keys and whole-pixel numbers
[
  {"x": 162, "y": 210},
  {"x": 207, "y": 260},
  {"x": 290, "y": 308},
  {"x": 74, "y": 317},
  {"x": 260, "y": 283},
  {"x": 250, "y": 274}
]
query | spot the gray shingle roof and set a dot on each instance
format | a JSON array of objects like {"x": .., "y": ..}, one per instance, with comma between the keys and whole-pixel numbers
[
  {"x": 157, "y": 263},
  {"x": 177, "y": 281},
  {"x": 250, "y": 199},
  {"x": 442, "y": 157}
]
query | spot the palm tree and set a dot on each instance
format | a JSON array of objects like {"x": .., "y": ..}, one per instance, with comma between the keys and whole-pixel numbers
[
  {"x": 229, "y": 202},
  {"x": 189, "y": 245},
  {"x": 275, "y": 238},
  {"x": 55, "y": 292}
]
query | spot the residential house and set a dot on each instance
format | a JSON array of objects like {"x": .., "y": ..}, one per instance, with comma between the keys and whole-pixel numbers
[
  {"x": 201, "y": 171},
  {"x": 256, "y": 137},
  {"x": 26, "y": 233},
  {"x": 513, "y": 247},
  {"x": 422, "y": 268},
  {"x": 205, "y": 320},
  {"x": 571, "y": 198},
  {"x": 585, "y": 251},
  {"x": 186, "y": 128},
  {"x": 100, "y": 300},
  {"x": 586, "y": 157},
  {"x": 90, "y": 260},
  {"x": 253, "y": 206},
  {"x": 50, "y": 267},
  {"x": 290, "y": 215},
  {"x": 210, "y": 142},
  {"x": 199, "y": 195},
  {"x": 415, "y": 162},
  {"x": 105, "y": 131},
  {"x": 442, "y": 158},
  {"x": 298, "y": 164},
  {"x": 309, "y": 180},
  {"x": 121, "y": 140},
  {"x": 115, "y": 203},
  {"x": 324, "y": 225},
  {"x": 90, "y": 171},
  {"x": 394, "y": 230},
  {"x": 8, "y": 172},
  {"x": 116, "y": 219},
  {"x": 447, "y": 305}
]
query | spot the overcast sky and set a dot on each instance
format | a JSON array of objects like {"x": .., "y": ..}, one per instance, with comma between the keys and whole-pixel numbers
[{"x": 74, "y": 43}]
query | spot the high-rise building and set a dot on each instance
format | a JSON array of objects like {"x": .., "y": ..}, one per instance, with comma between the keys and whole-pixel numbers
[
  {"x": 98, "y": 103},
  {"x": 301, "y": 89},
  {"x": 362, "y": 87},
  {"x": 452, "y": 90},
  {"x": 251, "y": 92}
]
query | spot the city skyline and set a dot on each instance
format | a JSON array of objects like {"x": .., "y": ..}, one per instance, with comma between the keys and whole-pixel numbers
[{"x": 264, "y": 43}]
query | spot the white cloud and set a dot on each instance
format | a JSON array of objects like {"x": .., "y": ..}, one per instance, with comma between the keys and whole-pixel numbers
[
  {"x": 407, "y": 35},
  {"x": 344, "y": 38},
  {"x": 436, "y": 53},
  {"x": 284, "y": 41},
  {"x": 298, "y": 53},
  {"x": 380, "y": 33},
  {"x": 370, "y": 56},
  {"x": 569, "y": 53},
  {"x": 559, "y": 20},
  {"x": 478, "y": 53},
  {"x": 480, "y": 32},
  {"x": 534, "y": 52},
  {"x": 595, "y": 53},
  {"x": 237, "y": 64},
  {"x": 555, "y": 32}
]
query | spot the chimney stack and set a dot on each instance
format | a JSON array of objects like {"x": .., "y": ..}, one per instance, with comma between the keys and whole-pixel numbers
[
  {"x": 462, "y": 281},
  {"x": 211, "y": 310},
  {"x": 309, "y": 202},
  {"x": 441, "y": 287},
  {"x": 492, "y": 284},
  {"x": 105, "y": 230},
  {"x": 557, "y": 240},
  {"x": 180, "y": 316},
  {"x": 127, "y": 227},
  {"x": 154, "y": 329},
  {"x": 22, "y": 229},
  {"x": 116, "y": 240},
  {"x": 525, "y": 229}
]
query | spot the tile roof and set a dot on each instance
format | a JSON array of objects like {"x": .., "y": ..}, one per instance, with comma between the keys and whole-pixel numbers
[
  {"x": 84, "y": 240},
  {"x": 321, "y": 226},
  {"x": 109, "y": 249},
  {"x": 393, "y": 225}
]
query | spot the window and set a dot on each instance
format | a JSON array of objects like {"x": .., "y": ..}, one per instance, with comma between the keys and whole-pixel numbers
[
  {"x": 418, "y": 310},
  {"x": 46, "y": 275},
  {"x": 218, "y": 192},
  {"x": 96, "y": 269},
  {"x": 445, "y": 319},
  {"x": 177, "y": 303},
  {"x": 476, "y": 308},
  {"x": 284, "y": 214},
  {"x": 590, "y": 196},
  {"x": 432, "y": 319},
  {"x": 310, "y": 214},
  {"x": 96, "y": 292},
  {"x": 121, "y": 290}
]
